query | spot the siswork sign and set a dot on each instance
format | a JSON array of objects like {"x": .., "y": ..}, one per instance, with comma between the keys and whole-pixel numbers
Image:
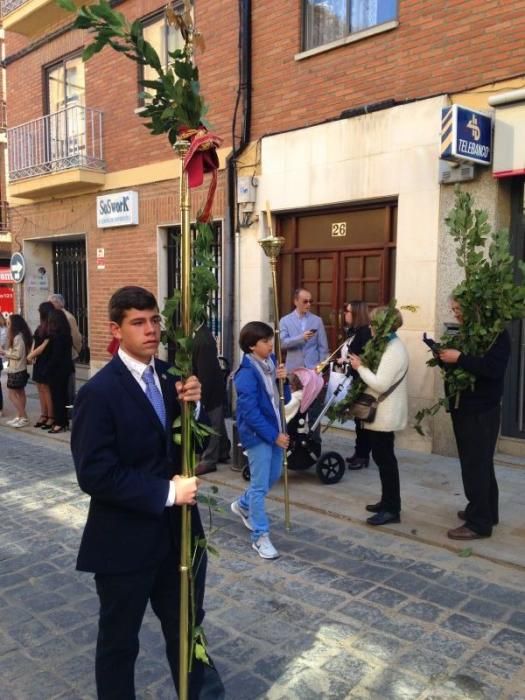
[
  {"x": 466, "y": 135},
  {"x": 119, "y": 209}
]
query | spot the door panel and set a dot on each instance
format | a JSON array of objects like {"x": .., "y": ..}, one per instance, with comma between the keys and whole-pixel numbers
[{"x": 317, "y": 272}]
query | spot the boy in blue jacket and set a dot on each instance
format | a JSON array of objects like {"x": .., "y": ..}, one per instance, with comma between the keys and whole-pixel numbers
[{"x": 260, "y": 430}]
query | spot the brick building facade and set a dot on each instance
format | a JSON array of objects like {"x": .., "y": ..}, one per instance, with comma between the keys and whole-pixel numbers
[{"x": 334, "y": 122}]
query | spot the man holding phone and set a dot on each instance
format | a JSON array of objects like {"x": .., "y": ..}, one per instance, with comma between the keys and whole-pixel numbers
[{"x": 303, "y": 336}]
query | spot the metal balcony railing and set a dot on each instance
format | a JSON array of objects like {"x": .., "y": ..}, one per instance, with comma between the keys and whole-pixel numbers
[
  {"x": 70, "y": 138},
  {"x": 3, "y": 114},
  {"x": 7, "y": 6}
]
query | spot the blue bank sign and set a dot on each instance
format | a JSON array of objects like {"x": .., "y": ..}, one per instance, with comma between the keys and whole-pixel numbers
[{"x": 466, "y": 135}]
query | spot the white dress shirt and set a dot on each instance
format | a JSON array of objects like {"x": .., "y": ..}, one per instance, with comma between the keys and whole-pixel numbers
[{"x": 137, "y": 369}]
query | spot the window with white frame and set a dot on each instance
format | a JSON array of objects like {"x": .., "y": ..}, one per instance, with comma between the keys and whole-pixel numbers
[
  {"x": 164, "y": 38},
  {"x": 328, "y": 20}
]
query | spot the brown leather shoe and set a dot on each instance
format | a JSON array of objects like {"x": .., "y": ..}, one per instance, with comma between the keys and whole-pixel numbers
[
  {"x": 204, "y": 469},
  {"x": 464, "y": 533},
  {"x": 462, "y": 514}
]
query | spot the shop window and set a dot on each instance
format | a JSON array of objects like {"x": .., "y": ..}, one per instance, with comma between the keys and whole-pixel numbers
[{"x": 326, "y": 21}]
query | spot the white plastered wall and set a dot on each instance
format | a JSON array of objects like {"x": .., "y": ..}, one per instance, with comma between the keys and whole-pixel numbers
[{"x": 390, "y": 153}]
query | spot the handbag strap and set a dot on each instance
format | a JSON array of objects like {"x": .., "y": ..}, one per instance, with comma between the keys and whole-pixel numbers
[{"x": 383, "y": 396}]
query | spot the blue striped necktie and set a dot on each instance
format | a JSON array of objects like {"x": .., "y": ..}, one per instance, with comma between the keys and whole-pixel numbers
[{"x": 154, "y": 395}]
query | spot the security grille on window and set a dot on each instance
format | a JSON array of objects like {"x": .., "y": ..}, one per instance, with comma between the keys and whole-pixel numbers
[{"x": 328, "y": 20}]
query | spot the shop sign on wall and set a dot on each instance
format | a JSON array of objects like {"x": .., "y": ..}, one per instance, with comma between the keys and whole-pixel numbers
[
  {"x": 101, "y": 259},
  {"x": 466, "y": 135},
  {"x": 119, "y": 209}
]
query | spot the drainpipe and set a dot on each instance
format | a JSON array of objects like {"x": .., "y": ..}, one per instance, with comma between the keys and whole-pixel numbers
[{"x": 242, "y": 114}]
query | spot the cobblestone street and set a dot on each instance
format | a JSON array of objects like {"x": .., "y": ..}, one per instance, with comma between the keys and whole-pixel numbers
[{"x": 346, "y": 612}]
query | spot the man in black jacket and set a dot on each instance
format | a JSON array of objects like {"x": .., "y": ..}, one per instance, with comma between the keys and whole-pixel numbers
[
  {"x": 207, "y": 369},
  {"x": 476, "y": 421}
]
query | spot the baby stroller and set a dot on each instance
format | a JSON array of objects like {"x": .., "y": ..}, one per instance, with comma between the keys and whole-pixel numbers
[{"x": 305, "y": 449}]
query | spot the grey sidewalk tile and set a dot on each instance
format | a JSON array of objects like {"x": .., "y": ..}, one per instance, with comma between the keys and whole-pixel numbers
[
  {"x": 424, "y": 662},
  {"x": 317, "y": 596},
  {"x": 466, "y": 584},
  {"x": 317, "y": 574},
  {"x": 351, "y": 585},
  {"x": 466, "y": 626},
  {"x": 510, "y": 641},
  {"x": 347, "y": 667},
  {"x": 268, "y": 631},
  {"x": 29, "y": 633},
  {"x": 367, "y": 614},
  {"x": 443, "y": 644},
  {"x": 245, "y": 686},
  {"x": 39, "y": 686},
  {"x": 422, "y": 568},
  {"x": 371, "y": 572},
  {"x": 395, "y": 685},
  {"x": 496, "y": 662},
  {"x": 385, "y": 596},
  {"x": 485, "y": 609},
  {"x": 404, "y": 630},
  {"x": 446, "y": 597},
  {"x": 504, "y": 594},
  {"x": 517, "y": 619},
  {"x": 426, "y": 612},
  {"x": 241, "y": 650},
  {"x": 464, "y": 685},
  {"x": 378, "y": 646},
  {"x": 407, "y": 583}
]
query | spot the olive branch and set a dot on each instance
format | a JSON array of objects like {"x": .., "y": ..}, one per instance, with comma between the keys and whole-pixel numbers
[{"x": 491, "y": 295}]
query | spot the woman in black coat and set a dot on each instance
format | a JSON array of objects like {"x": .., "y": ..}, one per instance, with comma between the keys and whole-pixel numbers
[
  {"x": 59, "y": 367},
  {"x": 357, "y": 322},
  {"x": 39, "y": 356}
]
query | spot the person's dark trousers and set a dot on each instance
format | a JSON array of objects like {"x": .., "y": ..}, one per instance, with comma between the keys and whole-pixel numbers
[
  {"x": 476, "y": 437},
  {"x": 123, "y": 600},
  {"x": 382, "y": 444},
  {"x": 211, "y": 454},
  {"x": 71, "y": 388},
  {"x": 58, "y": 387},
  {"x": 313, "y": 412},
  {"x": 362, "y": 443}
]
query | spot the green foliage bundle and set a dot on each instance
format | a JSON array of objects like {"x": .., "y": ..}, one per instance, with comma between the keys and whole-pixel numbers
[
  {"x": 173, "y": 99},
  {"x": 370, "y": 357},
  {"x": 491, "y": 294}
]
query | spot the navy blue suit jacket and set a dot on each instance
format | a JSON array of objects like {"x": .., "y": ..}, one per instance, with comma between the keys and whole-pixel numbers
[{"x": 124, "y": 459}]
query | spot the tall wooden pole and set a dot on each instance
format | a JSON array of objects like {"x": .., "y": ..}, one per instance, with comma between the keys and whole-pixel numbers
[
  {"x": 181, "y": 148},
  {"x": 272, "y": 247}
]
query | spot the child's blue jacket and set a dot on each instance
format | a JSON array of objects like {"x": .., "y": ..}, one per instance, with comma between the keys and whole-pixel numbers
[{"x": 256, "y": 419}]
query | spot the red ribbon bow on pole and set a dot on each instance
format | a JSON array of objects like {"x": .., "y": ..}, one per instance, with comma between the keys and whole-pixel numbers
[{"x": 202, "y": 158}]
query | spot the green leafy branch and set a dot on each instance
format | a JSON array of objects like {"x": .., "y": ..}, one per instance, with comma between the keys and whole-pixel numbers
[
  {"x": 172, "y": 99},
  {"x": 491, "y": 294}
]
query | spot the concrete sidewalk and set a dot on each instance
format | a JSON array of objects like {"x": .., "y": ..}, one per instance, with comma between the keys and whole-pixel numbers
[{"x": 431, "y": 492}]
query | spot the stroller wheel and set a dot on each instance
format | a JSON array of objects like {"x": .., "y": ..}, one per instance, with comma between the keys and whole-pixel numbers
[
  {"x": 330, "y": 467},
  {"x": 246, "y": 473}
]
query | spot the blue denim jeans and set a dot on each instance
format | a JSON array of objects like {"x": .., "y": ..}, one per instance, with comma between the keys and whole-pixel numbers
[{"x": 265, "y": 469}]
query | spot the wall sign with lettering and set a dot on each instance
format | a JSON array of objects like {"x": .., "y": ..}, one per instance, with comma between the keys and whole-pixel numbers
[
  {"x": 118, "y": 209},
  {"x": 339, "y": 229}
]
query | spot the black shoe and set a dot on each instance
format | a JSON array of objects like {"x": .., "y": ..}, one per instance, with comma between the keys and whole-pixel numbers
[
  {"x": 374, "y": 507},
  {"x": 383, "y": 518},
  {"x": 205, "y": 469},
  {"x": 58, "y": 429},
  {"x": 355, "y": 462}
]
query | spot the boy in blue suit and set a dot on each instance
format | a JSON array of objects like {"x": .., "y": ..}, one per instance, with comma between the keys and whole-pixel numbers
[
  {"x": 126, "y": 461},
  {"x": 260, "y": 430}
]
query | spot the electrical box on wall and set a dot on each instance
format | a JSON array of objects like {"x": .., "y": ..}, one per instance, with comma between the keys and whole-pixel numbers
[
  {"x": 449, "y": 173},
  {"x": 246, "y": 190}
]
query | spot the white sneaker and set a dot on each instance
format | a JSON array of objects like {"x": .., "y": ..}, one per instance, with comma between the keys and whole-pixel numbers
[
  {"x": 21, "y": 423},
  {"x": 265, "y": 548},
  {"x": 242, "y": 513},
  {"x": 12, "y": 421}
]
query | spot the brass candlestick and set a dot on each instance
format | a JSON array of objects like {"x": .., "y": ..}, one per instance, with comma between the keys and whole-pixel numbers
[{"x": 272, "y": 247}]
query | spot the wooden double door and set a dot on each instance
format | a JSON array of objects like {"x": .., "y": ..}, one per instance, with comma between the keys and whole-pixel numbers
[{"x": 339, "y": 255}]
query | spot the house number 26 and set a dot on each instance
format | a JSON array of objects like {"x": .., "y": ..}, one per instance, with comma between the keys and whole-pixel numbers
[{"x": 339, "y": 230}]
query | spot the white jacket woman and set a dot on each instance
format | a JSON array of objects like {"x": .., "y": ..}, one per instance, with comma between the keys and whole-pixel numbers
[{"x": 391, "y": 415}]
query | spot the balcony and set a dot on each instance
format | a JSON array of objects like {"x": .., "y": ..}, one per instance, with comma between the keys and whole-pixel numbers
[
  {"x": 4, "y": 222},
  {"x": 61, "y": 153},
  {"x": 33, "y": 18}
]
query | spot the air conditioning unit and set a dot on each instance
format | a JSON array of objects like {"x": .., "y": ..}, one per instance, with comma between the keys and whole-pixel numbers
[{"x": 450, "y": 173}]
